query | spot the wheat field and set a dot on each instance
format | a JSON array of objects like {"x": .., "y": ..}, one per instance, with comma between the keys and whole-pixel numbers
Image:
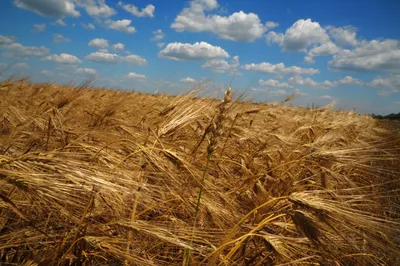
[{"x": 90, "y": 176}]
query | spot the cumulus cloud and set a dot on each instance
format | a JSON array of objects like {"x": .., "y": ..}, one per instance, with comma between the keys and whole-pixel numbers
[
  {"x": 279, "y": 69},
  {"x": 344, "y": 36},
  {"x": 96, "y": 8},
  {"x": 39, "y": 27},
  {"x": 189, "y": 80},
  {"x": 324, "y": 49},
  {"x": 274, "y": 84},
  {"x": 6, "y": 40},
  {"x": 135, "y": 60},
  {"x": 108, "y": 58},
  {"x": 197, "y": 51},
  {"x": 122, "y": 25},
  {"x": 158, "y": 35},
  {"x": 18, "y": 50},
  {"x": 348, "y": 80},
  {"x": 58, "y": 38},
  {"x": 59, "y": 22},
  {"x": 148, "y": 11},
  {"x": 388, "y": 85},
  {"x": 222, "y": 66},
  {"x": 62, "y": 59},
  {"x": 372, "y": 55},
  {"x": 86, "y": 71},
  {"x": 133, "y": 75},
  {"x": 239, "y": 26},
  {"x": 102, "y": 57},
  {"x": 88, "y": 26},
  {"x": 49, "y": 8},
  {"x": 301, "y": 35},
  {"x": 270, "y": 25},
  {"x": 98, "y": 43},
  {"x": 118, "y": 47}
]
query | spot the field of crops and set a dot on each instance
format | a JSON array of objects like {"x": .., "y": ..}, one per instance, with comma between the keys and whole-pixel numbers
[{"x": 103, "y": 177}]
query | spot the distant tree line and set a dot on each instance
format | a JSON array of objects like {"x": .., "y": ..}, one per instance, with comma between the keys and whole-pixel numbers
[{"x": 390, "y": 116}]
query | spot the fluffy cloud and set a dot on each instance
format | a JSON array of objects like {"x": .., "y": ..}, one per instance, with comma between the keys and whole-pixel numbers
[
  {"x": 274, "y": 83},
  {"x": 6, "y": 40},
  {"x": 133, "y": 75},
  {"x": 59, "y": 22},
  {"x": 39, "y": 27},
  {"x": 270, "y": 25},
  {"x": 135, "y": 60},
  {"x": 158, "y": 35},
  {"x": 308, "y": 82},
  {"x": 301, "y": 35},
  {"x": 102, "y": 57},
  {"x": 369, "y": 56},
  {"x": 18, "y": 50},
  {"x": 388, "y": 85},
  {"x": 49, "y": 8},
  {"x": 279, "y": 69},
  {"x": 118, "y": 47},
  {"x": 237, "y": 27},
  {"x": 348, "y": 80},
  {"x": 97, "y": 9},
  {"x": 148, "y": 11},
  {"x": 88, "y": 26},
  {"x": 344, "y": 36},
  {"x": 98, "y": 43},
  {"x": 222, "y": 66},
  {"x": 196, "y": 51},
  {"x": 108, "y": 58},
  {"x": 121, "y": 25},
  {"x": 58, "y": 38},
  {"x": 62, "y": 59},
  {"x": 86, "y": 71},
  {"x": 189, "y": 80},
  {"x": 324, "y": 49}
]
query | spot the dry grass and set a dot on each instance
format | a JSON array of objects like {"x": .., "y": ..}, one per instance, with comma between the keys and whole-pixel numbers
[{"x": 98, "y": 177}]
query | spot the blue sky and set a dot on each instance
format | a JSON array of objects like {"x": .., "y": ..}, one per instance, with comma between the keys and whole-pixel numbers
[{"x": 345, "y": 52}]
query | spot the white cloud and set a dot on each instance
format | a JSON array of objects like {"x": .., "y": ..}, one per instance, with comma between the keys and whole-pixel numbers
[
  {"x": 161, "y": 44},
  {"x": 108, "y": 58},
  {"x": 59, "y": 22},
  {"x": 49, "y": 8},
  {"x": 6, "y": 40},
  {"x": 118, "y": 47},
  {"x": 96, "y": 8},
  {"x": 274, "y": 83},
  {"x": 196, "y": 51},
  {"x": 308, "y": 82},
  {"x": 369, "y": 56},
  {"x": 148, "y": 11},
  {"x": 98, "y": 43},
  {"x": 388, "y": 85},
  {"x": 271, "y": 25},
  {"x": 135, "y": 60},
  {"x": 103, "y": 50},
  {"x": 86, "y": 71},
  {"x": 101, "y": 57},
  {"x": 324, "y": 49},
  {"x": 133, "y": 75},
  {"x": 121, "y": 25},
  {"x": 237, "y": 27},
  {"x": 58, "y": 38},
  {"x": 39, "y": 27},
  {"x": 301, "y": 35},
  {"x": 158, "y": 35},
  {"x": 62, "y": 59},
  {"x": 344, "y": 36},
  {"x": 189, "y": 80},
  {"x": 348, "y": 80},
  {"x": 18, "y": 50},
  {"x": 88, "y": 26},
  {"x": 222, "y": 66},
  {"x": 279, "y": 69}
]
